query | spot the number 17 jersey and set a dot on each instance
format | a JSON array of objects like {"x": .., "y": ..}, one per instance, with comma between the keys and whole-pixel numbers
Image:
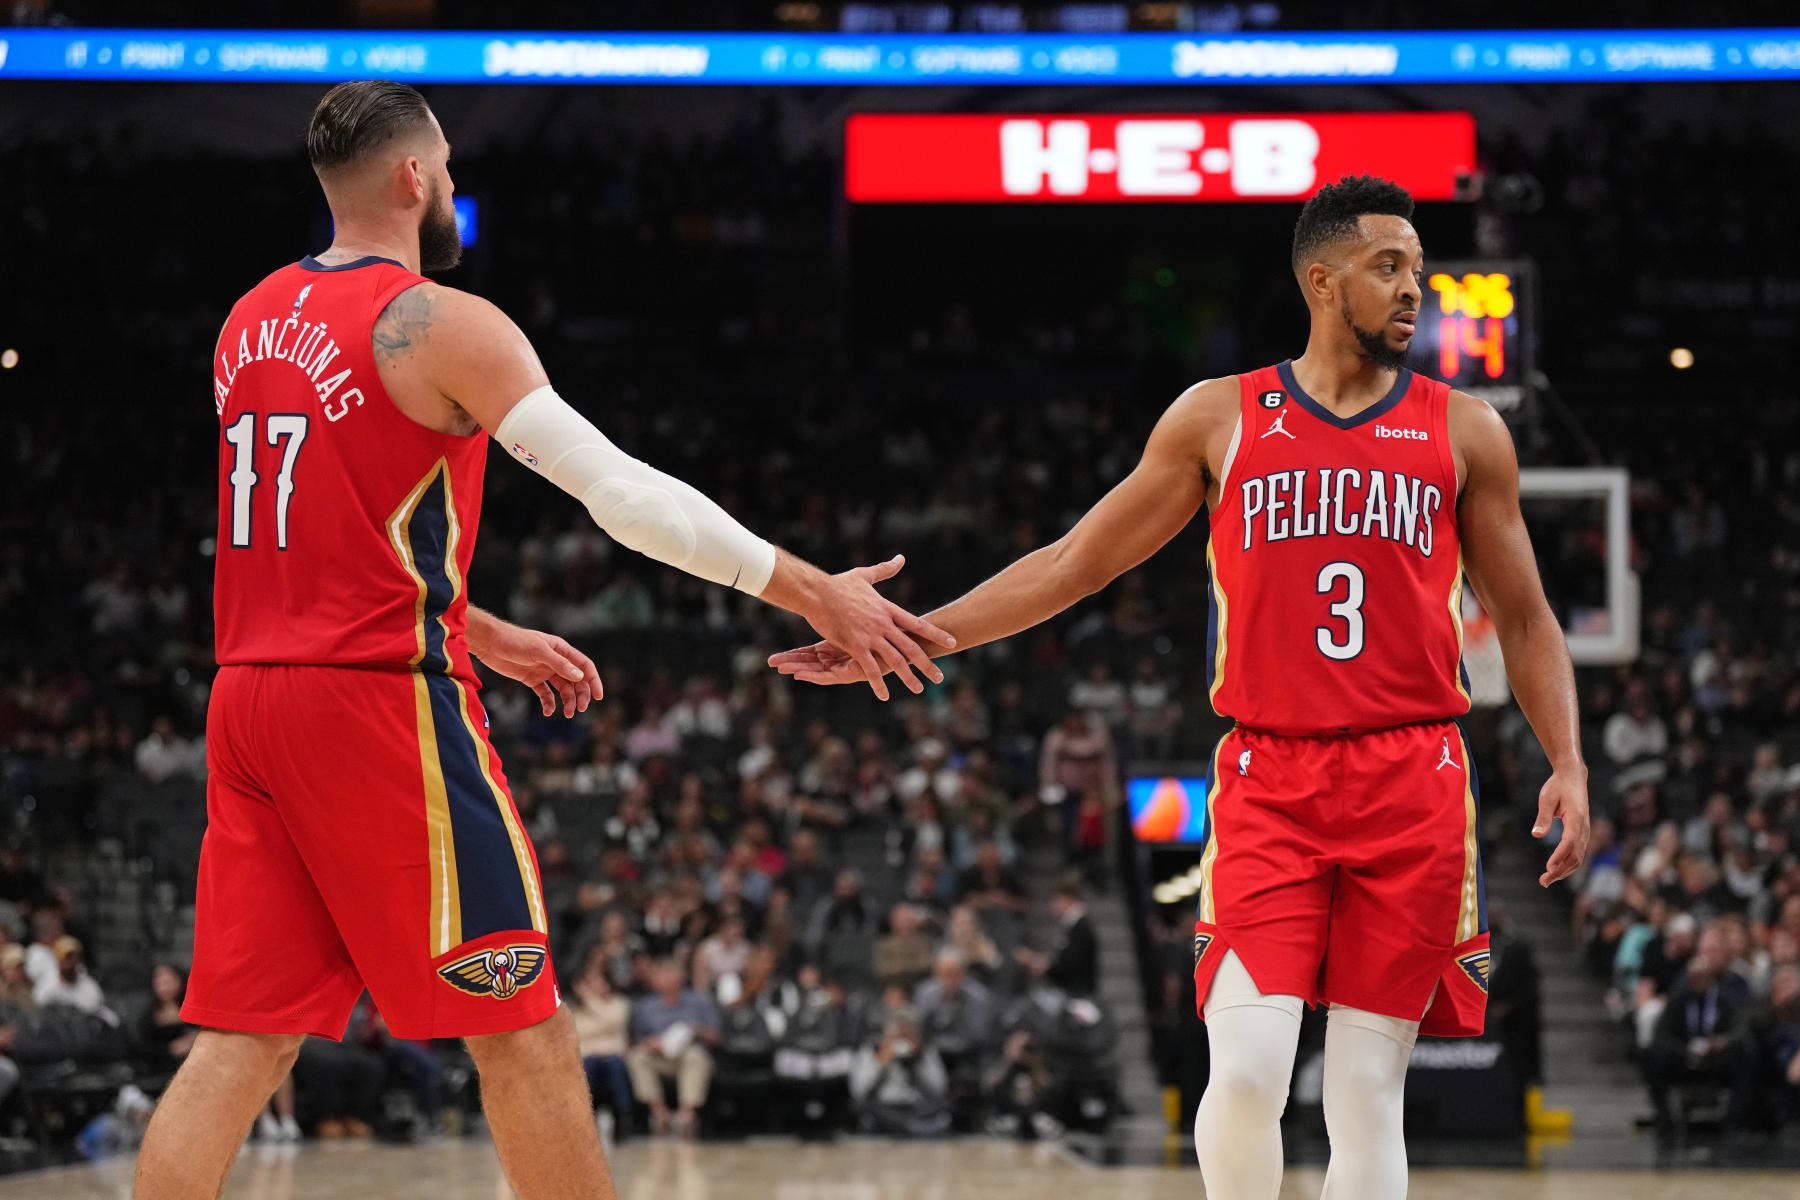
[
  {"x": 1335, "y": 564},
  {"x": 345, "y": 528}
]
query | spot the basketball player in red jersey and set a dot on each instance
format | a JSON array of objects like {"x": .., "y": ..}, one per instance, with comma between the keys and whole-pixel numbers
[
  {"x": 1347, "y": 497},
  {"x": 360, "y": 830}
]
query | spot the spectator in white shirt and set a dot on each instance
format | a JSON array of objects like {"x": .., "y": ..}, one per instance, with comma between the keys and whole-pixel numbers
[
  {"x": 1636, "y": 733},
  {"x": 72, "y": 985},
  {"x": 164, "y": 754}
]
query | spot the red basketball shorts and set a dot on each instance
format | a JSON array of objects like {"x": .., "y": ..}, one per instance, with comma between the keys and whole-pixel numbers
[
  {"x": 1345, "y": 870},
  {"x": 360, "y": 834}
]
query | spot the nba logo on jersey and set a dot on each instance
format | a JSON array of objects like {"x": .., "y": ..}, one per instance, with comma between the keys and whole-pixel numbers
[
  {"x": 1475, "y": 966},
  {"x": 301, "y": 298},
  {"x": 1272, "y": 399}
]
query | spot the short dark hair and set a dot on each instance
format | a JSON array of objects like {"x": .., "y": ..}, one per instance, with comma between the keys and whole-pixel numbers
[
  {"x": 1332, "y": 213},
  {"x": 363, "y": 115}
]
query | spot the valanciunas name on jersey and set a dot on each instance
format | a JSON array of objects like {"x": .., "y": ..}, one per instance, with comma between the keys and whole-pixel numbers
[
  {"x": 1344, "y": 501},
  {"x": 303, "y": 344}
]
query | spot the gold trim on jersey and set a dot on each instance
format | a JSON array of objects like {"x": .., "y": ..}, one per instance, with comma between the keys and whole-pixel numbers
[
  {"x": 1208, "y": 911},
  {"x": 527, "y": 875},
  {"x": 446, "y": 895},
  {"x": 445, "y": 932},
  {"x": 1456, "y": 588},
  {"x": 1468, "y": 916},
  {"x": 1212, "y": 572},
  {"x": 399, "y": 530}
]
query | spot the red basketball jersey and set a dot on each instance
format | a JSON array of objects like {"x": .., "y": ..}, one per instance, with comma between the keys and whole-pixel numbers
[
  {"x": 345, "y": 528},
  {"x": 1336, "y": 570}
]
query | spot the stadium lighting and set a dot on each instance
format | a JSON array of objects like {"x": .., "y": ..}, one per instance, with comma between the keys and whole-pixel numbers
[
  {"x": 1681, "y": 358},
  {"x": 9, "y": 358}
]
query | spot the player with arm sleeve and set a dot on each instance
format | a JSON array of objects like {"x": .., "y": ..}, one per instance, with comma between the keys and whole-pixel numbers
[
  {"x": 454, "y": 361},
  {"x": 361, "y": 832},
  {"x": 1347, "y": 497}
]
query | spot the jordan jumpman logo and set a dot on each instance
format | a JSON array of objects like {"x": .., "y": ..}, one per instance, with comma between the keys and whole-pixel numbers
[
  {"x": 1446, "y": 761},
  {"x": 1277, "y": 427}
]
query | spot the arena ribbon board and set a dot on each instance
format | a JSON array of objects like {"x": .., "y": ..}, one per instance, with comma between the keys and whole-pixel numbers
[{"x": 1453, "y": 56}]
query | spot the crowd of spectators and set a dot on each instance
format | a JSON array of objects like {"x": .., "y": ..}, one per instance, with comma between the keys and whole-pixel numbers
[
  {"x": 753, "y": 887},
  {"x": 1690, "y": 906},
  {"x": 752, "y": 884}
]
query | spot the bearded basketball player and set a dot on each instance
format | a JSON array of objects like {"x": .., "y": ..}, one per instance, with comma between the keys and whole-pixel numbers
[
  {"x": 1347, "y": 497},
  {"x": 360, "y": 831}
]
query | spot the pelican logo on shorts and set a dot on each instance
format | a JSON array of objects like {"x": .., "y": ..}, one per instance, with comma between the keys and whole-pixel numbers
[
  {"x": 1201, "y": 942},
  {"x": 1475, "y": 966},
  {"x": 1272, "y": 399},
  {"x": 499, "y": 972}
]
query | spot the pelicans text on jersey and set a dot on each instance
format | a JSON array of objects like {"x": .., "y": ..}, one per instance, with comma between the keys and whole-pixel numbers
[{"x": 1341, "y": 862}]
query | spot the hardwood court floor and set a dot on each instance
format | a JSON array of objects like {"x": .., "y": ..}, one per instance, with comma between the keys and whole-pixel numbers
[{"x": 848, "y": 1170}]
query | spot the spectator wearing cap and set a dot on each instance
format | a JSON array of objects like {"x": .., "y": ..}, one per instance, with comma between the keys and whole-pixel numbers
[{"x": 72, "y": 985}]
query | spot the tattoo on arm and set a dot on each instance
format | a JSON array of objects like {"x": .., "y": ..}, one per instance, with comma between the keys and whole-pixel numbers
[{"x": 404, "y": 324}]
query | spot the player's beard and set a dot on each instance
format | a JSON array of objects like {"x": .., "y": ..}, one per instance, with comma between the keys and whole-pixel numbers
[
  {"x": 1374, "y": 343},
  {"x": 440, "y": 246}
]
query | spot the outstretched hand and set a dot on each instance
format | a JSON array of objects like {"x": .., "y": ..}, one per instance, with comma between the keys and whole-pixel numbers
[
  {"x": 821, "y": 663},
  {"x": 543, "y": 662},
  {"x": 866, "y": 635},
  {"x": 1566, "y": 797}
]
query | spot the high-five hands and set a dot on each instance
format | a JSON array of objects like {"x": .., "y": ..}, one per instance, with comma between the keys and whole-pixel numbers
[
  {"x": 866, "y": 636},
  {"x": 821, "y": 663}
]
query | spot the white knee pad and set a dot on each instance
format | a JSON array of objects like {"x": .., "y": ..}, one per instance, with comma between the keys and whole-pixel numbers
[
  {"x": 1366, "y": 1055},
  {"x": 1237, "y": 1130},
  {"x": 1253, "y": 1038}
]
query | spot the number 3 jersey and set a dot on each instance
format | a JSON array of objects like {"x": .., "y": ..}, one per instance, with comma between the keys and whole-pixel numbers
[
  {"x": 345, "y": 527},
  {"x": 1335, "y": 564}
]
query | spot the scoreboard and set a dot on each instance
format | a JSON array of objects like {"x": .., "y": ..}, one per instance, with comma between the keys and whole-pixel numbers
[{"x": 1477, "y": 325}]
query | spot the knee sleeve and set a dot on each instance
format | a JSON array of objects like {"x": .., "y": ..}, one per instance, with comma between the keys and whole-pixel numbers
[
  {"x": 1237, "y": 1130},
  {"x": 1253, "y": 1038},
  {"x": 1365, "y": 1063},
  {"x": 1366, "y": 1055}
]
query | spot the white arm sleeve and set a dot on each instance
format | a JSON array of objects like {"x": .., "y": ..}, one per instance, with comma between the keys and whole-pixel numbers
[{"x": 637, "y": 505}]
